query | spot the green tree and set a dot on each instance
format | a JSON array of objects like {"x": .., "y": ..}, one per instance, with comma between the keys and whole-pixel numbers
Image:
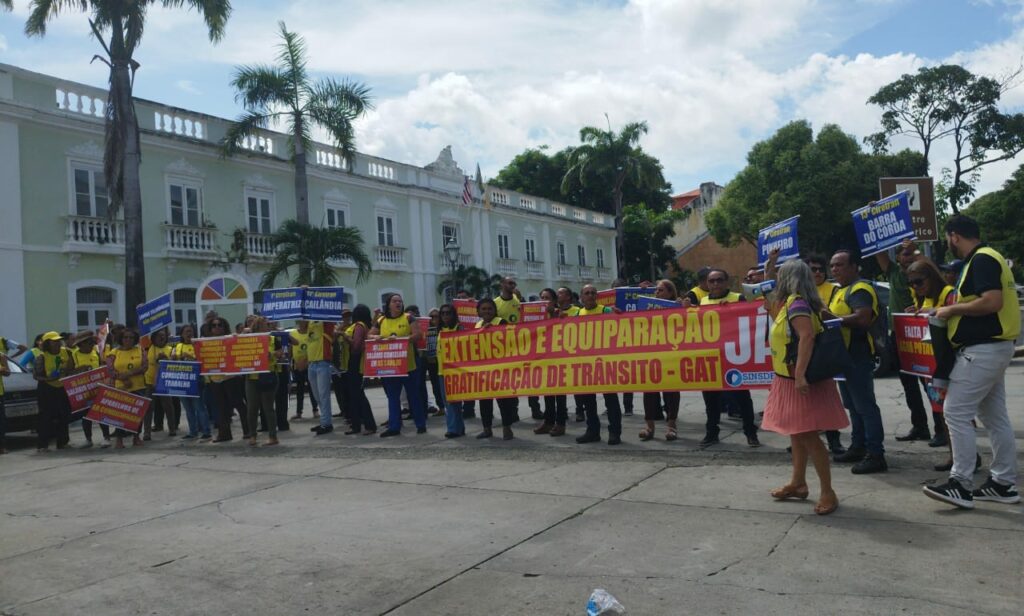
[
  {"x": 821, "y": 178},
  {"x": 284, "y": 93},
  {"x": 618, "y": 158},
  {"x": 7, "y": 4},
  {"x": 999, "y": 215},
  {"x": 309, "y": 251},
  {"x": 646, "y": 233},
  {"x": 471, "y": 279},
  {"x": 949, "y": 101},
  {"x": 118, "y": 26}
]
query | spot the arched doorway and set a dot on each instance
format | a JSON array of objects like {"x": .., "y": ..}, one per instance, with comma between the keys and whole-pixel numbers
[{"x": 226, "y": 293}]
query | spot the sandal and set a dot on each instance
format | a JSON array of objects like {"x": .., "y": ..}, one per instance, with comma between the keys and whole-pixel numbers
[
  {"x": 822, "y": 509},
  {"x": 670, "y": 434},
  {"x": 271, "y": 442},
  {"x": 788, "y": 491},
  {"x": 646, "y": 435}
]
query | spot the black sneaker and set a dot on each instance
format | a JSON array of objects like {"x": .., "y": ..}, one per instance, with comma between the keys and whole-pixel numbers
[
  {"x": 996, "y": 492},
  {"x": 614, "y": 439},
  {"x": 421, "y": 430},
  {"x": 872, "y": 463},
  {"x": 752, "y": 441},
  {"x": 628, "y": 413},
  {"x": 321, "y": 430},
  {"x": 387, "y": 433},
  {"x": 915, "y": 434},
  {"x": 851, "y": 455},
  {"x": 588, "y": 437},
  {"x": 941, "y": 439},
  {"x": 709, "y": 440},
  {"x": 951, "y": 492}
]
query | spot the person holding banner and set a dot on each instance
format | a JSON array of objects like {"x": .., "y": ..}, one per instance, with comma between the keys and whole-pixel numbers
[
  {"x": 224, "y": 394},
  {"x": 85, "y": 357},
  {"x": 556, "y": 408},
  {"x": 566, "y": 307},
  {"x": 129, "y": 365},
  {"x": 826, "y": 291},
  {"x": 195, "y": 409},
  {"x": 856, "y": 305},
  {"x": 394, "y": 322},
  {"x": 588, "y": 297},
  {"x": 665, "y": 289},
  {"x": 719, "y": 293},
  {"x": 701, "y": 290},
  {"x": 52, "y": 363},
  {"x": 360, "y": 413},
  {"x": 430, "y": 357},
  {"x": 508, "y": 305},
  {"x": 260, "y": 389},
  {"x": 300, "y": 364},
  {"x": 453, "y": 411},
  {"x": 982, "y": 327},
  {"x": 487, "y": 310},
  {"x": 320, "y": 352},
  {"x": 795, "y": 407},
  {"x": 162, "y": 406}
]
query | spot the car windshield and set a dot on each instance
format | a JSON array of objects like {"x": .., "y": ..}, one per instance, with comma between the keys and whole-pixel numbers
[{"x": 15, "y": 368}]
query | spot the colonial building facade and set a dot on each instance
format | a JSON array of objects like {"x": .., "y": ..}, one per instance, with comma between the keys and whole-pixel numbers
[{"x": 208, "y": 219}]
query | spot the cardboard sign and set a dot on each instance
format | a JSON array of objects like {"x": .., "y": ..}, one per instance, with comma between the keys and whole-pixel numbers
[
  {"x": 386, "y": 357},
  {"x": 230, "y": 355},
  {"x": 118, "y": 409},
  {"x": 916, "y": 354},
  {"x": 921, "y": 199},
  {"x": 177, "y": 378},
  {"x": 310, "y": 304},
  {"x": 155, "y": 314},
  {"x": 82, "y": 388},
  {"x": 623, "y": 298},
  {"x": 781, "y": 236},
  {"x": 883, "y": 225},
  {"x": 466, "y": 311}
]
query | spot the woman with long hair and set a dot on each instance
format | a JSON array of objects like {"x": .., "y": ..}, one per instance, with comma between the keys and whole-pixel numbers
[
  {"x": 556, "y": 409},
  {"x": 129, "y": 364},
  {"x": 394, "y": 322},
  {"x": 796, "y": 407},
  {"x": 161, "y": 407},
  {"x": 223, "y": 392},
  {"x": 454, "y": 421},
  {"x": 360, "y": 413},
  {"x": 196, "y": 415},
  {"x": 653, "y": 401}
]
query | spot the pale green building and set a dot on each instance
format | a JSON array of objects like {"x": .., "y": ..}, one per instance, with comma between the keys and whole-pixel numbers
[{"x": 207, "y": 219}]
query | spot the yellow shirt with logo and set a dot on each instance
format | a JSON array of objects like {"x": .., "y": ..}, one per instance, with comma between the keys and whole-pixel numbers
[
  {"x": 780, "y": 335},
  {"x": 85, "y": 361},
  {"x": 729, "y": 298},
  {"x": 584, "y": 312},
  {"x": 840, "y": 308},
  {"x": 508, "y": 309},
  {"x": 152, "y": 355},
  {"x": 54, "y": 365},
  {"x": 399, "y": 327},
  {"x": 126, "y": 361}
]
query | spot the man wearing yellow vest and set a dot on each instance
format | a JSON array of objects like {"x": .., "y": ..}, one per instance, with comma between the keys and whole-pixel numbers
[
  {"x": 982, "y": 327},
  {"x": 856, "y": 305},
  {"x": 699, "y": 292}
]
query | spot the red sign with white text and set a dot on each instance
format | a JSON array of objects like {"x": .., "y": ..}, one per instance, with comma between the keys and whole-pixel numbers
[
  {"x": 82, "y": 388},
  {"x": 466, "y": 310},
  {"x": 386, "y": 357},
  {"x": 239, "y": 354},
  {"x": 118, "y": 409},
  {"x": 915, "y": 353}
]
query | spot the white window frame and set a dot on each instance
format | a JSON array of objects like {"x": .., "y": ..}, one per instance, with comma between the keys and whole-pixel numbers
[
  {"x": 387, "y": 215},
  {"x": 260, "y": 194},
  {"x": 457, "y": 226},
  {"x": 581, "y": 254},
  {"x": 176, "y": 306},
  {"x": 599, "y": 255},
  {"x": 337, "y": 207},
  {"x": 560, "y": 256},
  {"x": 530, "y": 249},
  {"x": 504, "y": 251},
  {"x": 185, "y": 183},
  {"x": 118, "y": 295},
  {"x": 93, "y": 168}
]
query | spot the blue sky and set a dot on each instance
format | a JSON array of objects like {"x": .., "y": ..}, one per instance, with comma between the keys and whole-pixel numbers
[{"x": 711, "y": 77}]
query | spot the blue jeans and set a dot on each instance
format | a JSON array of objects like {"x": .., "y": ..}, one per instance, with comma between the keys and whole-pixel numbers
[
  {"x": 393, "y": 390},
  {"x": 196, "y": 415},
  {"x": 320, "y": 385},
  {"x": 453, "y": 419},
  {"x": 858, "y": 392}
]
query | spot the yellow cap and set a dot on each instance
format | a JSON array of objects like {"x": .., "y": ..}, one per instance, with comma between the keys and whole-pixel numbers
[{"x": 48, "y": 336}]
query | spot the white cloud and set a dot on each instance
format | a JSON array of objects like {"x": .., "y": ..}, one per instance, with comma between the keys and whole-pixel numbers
[{"x": 187, "y": 86}]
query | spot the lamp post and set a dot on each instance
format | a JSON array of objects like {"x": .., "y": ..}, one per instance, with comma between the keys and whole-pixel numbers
[{"x": 452, "y": 252}]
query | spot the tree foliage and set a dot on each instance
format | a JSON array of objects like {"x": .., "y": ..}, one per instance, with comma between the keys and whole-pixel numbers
[
  {"x": 999, "y": 215},
  {"x": 310, "y": 253},
  {"x": 646, "y": 233},
  {"x": 949, "y": 101},
  {"x": 285, "y": 93},
  {"x": 471, "y": 279},
  {"x": 821, "y": 178}
]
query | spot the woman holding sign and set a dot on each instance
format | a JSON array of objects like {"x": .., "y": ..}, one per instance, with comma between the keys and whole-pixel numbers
[
  {"x": 665, "y": 289},
  {"x": 260, "y": 389},
  {"x": 161, "y": 405},
  {"x": 394, "y": 322},
  {"x": 795, "y": 407},
  {"x": 129, "y": 364},
  {"x": 454, "y": 418},
  {"x": 354, "y": 336},
  {"x": 487, "y": 310},
  {"x": 85, "y": 357},
  {"x": 195, "y": 410}
]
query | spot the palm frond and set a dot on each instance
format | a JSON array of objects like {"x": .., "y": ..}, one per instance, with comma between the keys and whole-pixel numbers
[
  {"x": 351, "y": 96},
  {"x": 134, "y": 25},
  {"x": 215, "y": 13},
  {"x": 45, "y": 10},
  {"x": 7, "y": 4},
  {"x": 312, "y": 250},
  {"x": 261, "y": 86},
  {"x": 292, "y": 56},
  {"x": 247, "y": 125}
]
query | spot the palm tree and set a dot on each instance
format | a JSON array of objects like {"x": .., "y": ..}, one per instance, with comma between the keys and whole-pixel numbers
[
  {"x": 7, "y": 4},
  {"x": 604, "y": 154},
  {"x": 285, "y": 93},
  {"x": 310, "y": 250},
  {"x": 471, "y": 279},
  {"x": 118, "y": 26}
]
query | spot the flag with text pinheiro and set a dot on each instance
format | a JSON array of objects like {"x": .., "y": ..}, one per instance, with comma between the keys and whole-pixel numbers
[{"x": 781, "y": 236}]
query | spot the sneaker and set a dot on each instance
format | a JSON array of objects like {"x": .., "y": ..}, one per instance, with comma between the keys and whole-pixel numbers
[
  {"x": 614, "y": 439},
  {"x": 189, "y": 437},
  {"x": 915, "y": 434},
  {"x": 851, "y": 455},
  {"x": 105, "y": 444},
  {"x": 628, "y": 413},
  {"x": 752, "y": 441},
  {"x": 941, "y": 439},
  {"x": 996, "y": 492},
  {"x": 951, "y": 492},
  {"x": 588, "y": 437},
  {"x": 296, "y": 417},
  {"x": 321, "y": 430},
  {"x": 872, "y": 463},
  {"x": 87, "y": 445},
  {"x": 709, "y": 440}
]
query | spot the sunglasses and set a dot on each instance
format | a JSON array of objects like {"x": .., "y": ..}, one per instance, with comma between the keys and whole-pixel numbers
[
  {"x": 817, "y": 268},
  {"x": 916, "y": 282}
]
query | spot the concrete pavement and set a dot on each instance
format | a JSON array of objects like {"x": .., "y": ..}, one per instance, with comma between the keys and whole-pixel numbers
[{"x": 423, "y": 525}]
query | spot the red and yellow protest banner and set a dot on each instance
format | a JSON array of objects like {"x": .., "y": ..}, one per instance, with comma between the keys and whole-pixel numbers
[
  {"x": 385, "y": 357},
  {"x": 239, "y": 354},
  {"x": 82, "y": 388},
  {"x": 424, "y": 322},
  {"x": 466, "y": 311},
  {"x": 533, "y": 311},
  {"x": 915, "y": 353},
  {"x": 118, "y": 409},
  {"x": 686, "y": 349}
]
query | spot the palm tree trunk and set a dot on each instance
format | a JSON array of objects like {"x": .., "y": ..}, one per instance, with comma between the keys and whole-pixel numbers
[
  {"x": 620, "y": 237},
  {"x": 301, "y": 185}
]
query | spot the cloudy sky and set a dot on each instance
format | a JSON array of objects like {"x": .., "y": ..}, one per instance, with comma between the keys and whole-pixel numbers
[{"x": 492, "y": 77}]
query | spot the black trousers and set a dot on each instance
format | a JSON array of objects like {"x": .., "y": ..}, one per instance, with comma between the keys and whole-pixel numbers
[
  {"x": 508, "y": 411},
  {"x": 713, "y": 408},
  {"x": 653, "y": 404},
  {"x": 281, "y": 400},
  {"x": 341, "y": 395},
  {"x": 360, "y": 413},
  {"x": 556, "y": 410},
  {"x": 612, "y": 408},
  {"x": 53, "y": 418},
  {"x": 224, "y": 396}
]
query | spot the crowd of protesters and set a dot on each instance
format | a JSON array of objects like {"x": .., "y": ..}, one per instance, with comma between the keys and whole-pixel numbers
[{"x": 974, "y": 296}]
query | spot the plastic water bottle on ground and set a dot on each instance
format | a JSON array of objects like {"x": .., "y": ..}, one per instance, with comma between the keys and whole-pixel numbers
[{"x": 602, "y": 603}]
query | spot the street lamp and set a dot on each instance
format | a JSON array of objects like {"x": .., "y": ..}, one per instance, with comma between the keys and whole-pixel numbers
[{"x": 452, "y": 252}]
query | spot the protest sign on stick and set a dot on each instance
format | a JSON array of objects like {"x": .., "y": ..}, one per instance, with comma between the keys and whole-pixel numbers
[
  {"x": 118, "y": 409},
  {"x": 883, "y": 224},
  {"x": 386, "y": 357},
  {"x": 781, "y": 236},
  {"x": 82, "y": 388}
]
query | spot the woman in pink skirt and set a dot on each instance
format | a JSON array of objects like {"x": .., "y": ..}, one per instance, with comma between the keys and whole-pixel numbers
[{"x": 796, "y": 407}]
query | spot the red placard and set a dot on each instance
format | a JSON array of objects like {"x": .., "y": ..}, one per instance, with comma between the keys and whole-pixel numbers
[
  {"x": 915, "y": 353},
  {"x": 118, "y": 409},
  {"x": 424, "y": 326},
  {"x": 386, "y": 357},
  {"x": 533, "y": 311},
  {"x": 238, "y": 354},
  {"x": 466, "y": 310},
  {"x": 82, "y": 388}
]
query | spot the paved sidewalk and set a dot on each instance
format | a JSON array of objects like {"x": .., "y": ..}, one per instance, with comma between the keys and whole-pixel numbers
[{"x": 421, "y": 525}]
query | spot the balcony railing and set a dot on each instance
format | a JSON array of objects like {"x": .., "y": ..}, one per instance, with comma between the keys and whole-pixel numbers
[
  {"x": 464, "y": 260},
  {"x": 98, "y": 234},
  {"x": 507, "y": 267},
  {"x": 566, "y": 272},
  {"x": 259, "y": 246},
  {"x": 390, "y": 257},
  {"x": 534, "y": 269},
  {"x": 604, "y": 273},
  {"x": 199, "y": 242},
  {"x": 586, "y": 272}
]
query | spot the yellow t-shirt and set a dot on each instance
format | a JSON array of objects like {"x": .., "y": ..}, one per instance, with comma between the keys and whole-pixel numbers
[
  {"x": 401, "y": 328},
  {"x": 584, "y": 312},
  {"x": 151, "y": 355},
  {"x": 185, "y": 352},
  {"x": 88, "y": 361},
  {"x": 508, "y": 309},
  {"x": 320, "y": 342},
  {"x": 125, "y": 361},
  {"x": 53, "y": 365}
]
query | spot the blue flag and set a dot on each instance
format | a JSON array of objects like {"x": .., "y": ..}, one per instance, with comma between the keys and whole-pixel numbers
[
  {"x": 781, "y": 235},
  {"x": 647, "y": 302},
  {"x": 311, "y": 304},
  {"x": 155, "y": 314},
  {"x": 280, "y": 304},
  {"x": 323, "y": 303},
  {"x": 883, "y": 224},
  {"x": 177, "y": 378}
]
